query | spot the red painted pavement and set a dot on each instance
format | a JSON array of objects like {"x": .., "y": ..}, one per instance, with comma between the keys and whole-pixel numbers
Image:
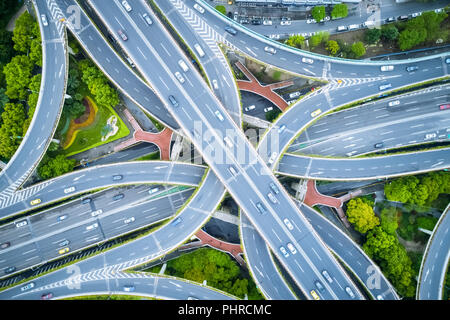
[
  {"x": 161, "y": 139},
  {"x": 265, "y": 91}
]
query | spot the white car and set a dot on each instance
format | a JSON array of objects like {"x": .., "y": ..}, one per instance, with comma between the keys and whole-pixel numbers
[
  {"x": 199, "y": 8},
  {"x": 311, "y": 21},
  {"x": 327, "y": 276},
  {"x": 69, "y": 190},
  {"x": 291, "y": 248},
  {"x": 147, "y": 19},
  {"x": 218, "y": 115},
  {"x": 350, "y": 292},
  {"x": 96, "y": 212},
  {"x": 272, "y": 157},
  {"x": 215, "y": 84},
  {"x": 285, "y": 23},
  {"x": 288, "y": 224},
  {"x": 307, "y": 60},
  {"x": 284, "y": 252},
  {"x": 268, "y": 109},
  {"x": 21, "y": 223},
  {"x": 416, "y": 14},
  {"x": 387, "y": 68},
  {"x": 27, "y": 287},
  {"x": 44, "y": 20},
  {"x": 394, "y": 103},
  {"x": 179, "y": 77},
  {"x": 129, "y": 220},
  {"x": 153, "y": 190},
  {"x": 430, "y": 136},
  {"x": 267, "y": 22},
  {"x": 272, "y": 197},
  {"x": 92, "y": 226},
  {"x": 250, "y": 107},
  {"x": 126, "y": 5},
  {"x": 294, "y": 94},
  {"x": 270, "y": 50}
]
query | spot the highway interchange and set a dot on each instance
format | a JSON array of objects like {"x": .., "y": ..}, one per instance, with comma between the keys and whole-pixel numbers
[{"x": 198, "y": 103}]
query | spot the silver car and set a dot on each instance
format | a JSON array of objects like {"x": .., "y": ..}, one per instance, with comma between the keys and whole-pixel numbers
[{"x": 270, "y": 50}]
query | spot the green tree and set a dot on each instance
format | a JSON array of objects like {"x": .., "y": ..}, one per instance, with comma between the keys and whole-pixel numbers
[
  {"x": 432, "y": 23},
  {"x": 18, "y": 76},
  {"x": 372, "y": 36},
  {"x": 427, "y": 223},
  {"x": 221, "y": 9},
  {"x": 358, "y": 49},
  {"x": 361, "y": 215},
  {"x": 295, "y": 41},
  {"x": 6, "y": 46},
  {"x": 332, "y": 47},
  {"x": 3, "y": 99},
  {"x": 318, "y": 13},
  {"x": 409, "y": 38},
  {"x": 389, "y": 32},
  {"x": 389, "y": 221},
  {"x": 25, "y": 31},
  {"x": 54, "y": 167},
  {"x": 13, "y": 118},
  {"x": 339, "y": 11},
  {"x": 36, "y": 53}
]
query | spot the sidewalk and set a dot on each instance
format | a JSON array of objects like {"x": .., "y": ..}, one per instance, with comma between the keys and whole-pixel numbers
[{"x": 207, "y": 240}]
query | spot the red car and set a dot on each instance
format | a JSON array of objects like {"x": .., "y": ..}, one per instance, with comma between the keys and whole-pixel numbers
[
  {"x": 444, "y": 106},
  {"x": 47, "y": 296},
  {"x": 122, "y": 35}
]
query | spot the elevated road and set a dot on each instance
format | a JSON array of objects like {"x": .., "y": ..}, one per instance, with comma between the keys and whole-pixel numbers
[
  {"x": 431, "y": 281},
  {"x": 381, "y": 167},
  {"x": 108, "y": 282},
  {"x": 114, "y": 17},
  {"x": 101, "y": 176},
  {"x": 48, "y": 108}
]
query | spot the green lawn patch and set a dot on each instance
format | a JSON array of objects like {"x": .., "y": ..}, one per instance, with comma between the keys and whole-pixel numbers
[{"x": 90, "y": 137}]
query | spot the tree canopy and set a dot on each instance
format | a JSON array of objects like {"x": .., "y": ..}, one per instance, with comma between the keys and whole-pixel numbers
[
  {"x": 361, "y": 215},
  {"x": 13, "y": 118},
  {"x": 358, "y": 49},
  {"x": 318, "y": 13},
  {"x": 53, "y": 167},
  {"x": 339, "y": 11}
]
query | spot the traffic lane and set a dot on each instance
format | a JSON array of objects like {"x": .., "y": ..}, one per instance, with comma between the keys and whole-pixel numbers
[
  {"x": 143, "y": 214},
  {"x": 264, "y": 271},
  {"x": 346, "y": 249},
  {"x": 116, "y": 68},
  {"x": 432, "y": 276},
  {"x": 214, "y": 70},
  {"x": 349, "y": 69},
  {"x": 228, "y": 159},
  {"x": 391, "y": 135},
  {"x": 364, "y": 168},
  {"x": 191, "y": 218},
  {"x": 381, "y": 114},
  {"x": 32, "y": 146},
  {"x": 27, "y": 254}
]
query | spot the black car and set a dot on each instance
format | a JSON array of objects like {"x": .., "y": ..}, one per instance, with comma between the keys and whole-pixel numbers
[
  {"x": 173, "y": 101},
  {"x": 86, "y": 200},
  {"x": 402, "y": 18},
  {"x": 256, "y": 22},
  {"x": 118, "y": 196},
  {"x": 231, "y": 31},
  {"x": 412, "y": 68},
  {"x": 10, "y": 269},
  {"x": 378, "y": 145},
  {"x": 5, "y": 245},
  {"x": 391, "y": 19}
]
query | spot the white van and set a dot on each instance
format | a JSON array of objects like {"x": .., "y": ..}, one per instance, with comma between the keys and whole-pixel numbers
[
  {"x": 228, "y": 142},
  {"x": 342, "y": 28},
  {"x": 183, "y": 65},
  {"x": 199, "y": 50},
  {"x": 131, "y": 62},
  {"x": 368, "y": 23},
  {"x": 353, "y": 26}
]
